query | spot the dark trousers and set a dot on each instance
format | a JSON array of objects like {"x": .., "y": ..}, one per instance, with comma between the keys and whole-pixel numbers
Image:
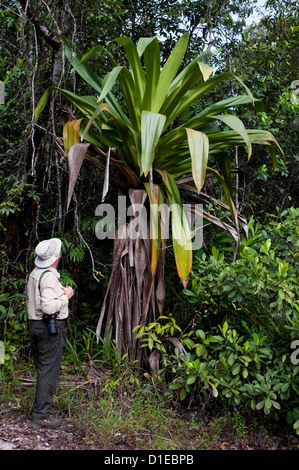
[{"x": 47, "y": 353}]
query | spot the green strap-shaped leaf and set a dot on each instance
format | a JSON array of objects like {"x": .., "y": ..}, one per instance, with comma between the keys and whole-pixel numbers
[
  {"x": 43, "y": 101},
  {"x": 199, "y": 151},
  {"x": 127, "y": 148},
  {"x": 208, "y": 112},
  {"x": 156, "y": 198},
  {"x": 90, "y": 77},
  {"x": 86, "y": 104},
  {"x": 181, "y": 233},
  {"x": 100, "y": 108},
  {"x": 109, "y": 81},
  {"x": 237, "y": 125},
  {"x": 130, "y": 94},
  {"x": 177, "y": 102},
  {"x": 143, "y": 43},
  {"x": 180, "y": 90},
  {"x": 186, "y": 72},
  {"x": 135, "y": 63},
  {"x": 152, "y": 68},
  {"x": 93, "y": 51},
  {"x": 219, "y": 107},
  {"x": 83, "y": 69},
  {"x": 151, "y": 128},
  {"x": 169, "y": 71}
]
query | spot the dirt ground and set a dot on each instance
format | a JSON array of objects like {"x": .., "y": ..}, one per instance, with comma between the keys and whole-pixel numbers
[{"x": 16, "y": 433}]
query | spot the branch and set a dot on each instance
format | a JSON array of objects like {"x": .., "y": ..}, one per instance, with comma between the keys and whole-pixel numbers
[{"x": 52, "y": 38}]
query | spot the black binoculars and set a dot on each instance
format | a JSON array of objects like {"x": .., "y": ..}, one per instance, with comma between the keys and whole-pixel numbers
[{"x": 51, "y": 321}]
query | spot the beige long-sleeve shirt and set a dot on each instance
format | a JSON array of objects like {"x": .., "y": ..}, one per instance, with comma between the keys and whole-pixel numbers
[{"x": 50, "y": 298}]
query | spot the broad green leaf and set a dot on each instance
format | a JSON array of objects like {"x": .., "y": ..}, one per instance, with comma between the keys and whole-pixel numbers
[
  {"x": 169, "y": 71},
  {"x": 43, "y": 101},
  {"x": 156, "y": 198},
  {"x": 268, "y": 403},
  {"x": 236, "y": 369},
  {"x": 181, "y": 232},
  {"x": 181, "y": 99},
  {"x": 231, "y": 359},
  {"x": 260, "y": 405},
  {"x": 199, "y": 150},
  {"x": 191, "y": 379},
  {"x": 183, "y": 394},
  {"x": 130, "y": 94},
  {"x": 205, "y": 117},
  {"x": 93, "y": 51},
  {"x": 237, "y": 125},
  {"x": 135, "y": 63},
  {"x": 89, "y": 76},
  {"x": 152, "y": 69},
  {"x": 109, "y": 81},
  {"x": 151, "y": 128},
  {"x": 143, "y": 43}
]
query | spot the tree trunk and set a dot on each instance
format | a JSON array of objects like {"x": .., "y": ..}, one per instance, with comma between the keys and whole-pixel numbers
[{"x": 134, "y": 295}]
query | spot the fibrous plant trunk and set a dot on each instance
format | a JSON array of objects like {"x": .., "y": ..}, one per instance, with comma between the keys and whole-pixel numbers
[{"x": 135, "y": 295}]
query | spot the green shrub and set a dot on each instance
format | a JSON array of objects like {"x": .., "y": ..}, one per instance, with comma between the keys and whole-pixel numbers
[
  {"x": 248, "y": 373},
  {"x": 248, "y": 362},
  {"x": 227, "y": 369},
  {"x": 261, "y": 286}
]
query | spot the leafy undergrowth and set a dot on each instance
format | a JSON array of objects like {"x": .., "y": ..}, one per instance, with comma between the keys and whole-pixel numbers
[{"x": 97, "y": 419}]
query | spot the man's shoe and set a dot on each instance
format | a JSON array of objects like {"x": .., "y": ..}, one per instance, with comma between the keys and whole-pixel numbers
[{"x": 47, "y": 423}]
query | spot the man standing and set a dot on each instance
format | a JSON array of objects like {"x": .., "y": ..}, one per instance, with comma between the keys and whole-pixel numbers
[{"x": 47, "y": 307}]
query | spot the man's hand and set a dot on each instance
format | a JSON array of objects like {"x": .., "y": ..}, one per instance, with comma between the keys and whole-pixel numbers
[{"x": 68, "y": 291}]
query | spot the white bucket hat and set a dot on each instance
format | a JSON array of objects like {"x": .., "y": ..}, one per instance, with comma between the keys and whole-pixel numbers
[{"x": 47, "y": 252}]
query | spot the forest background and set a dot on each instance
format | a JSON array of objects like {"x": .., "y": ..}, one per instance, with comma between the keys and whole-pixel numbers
[{"x": 241, "y": 313}]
